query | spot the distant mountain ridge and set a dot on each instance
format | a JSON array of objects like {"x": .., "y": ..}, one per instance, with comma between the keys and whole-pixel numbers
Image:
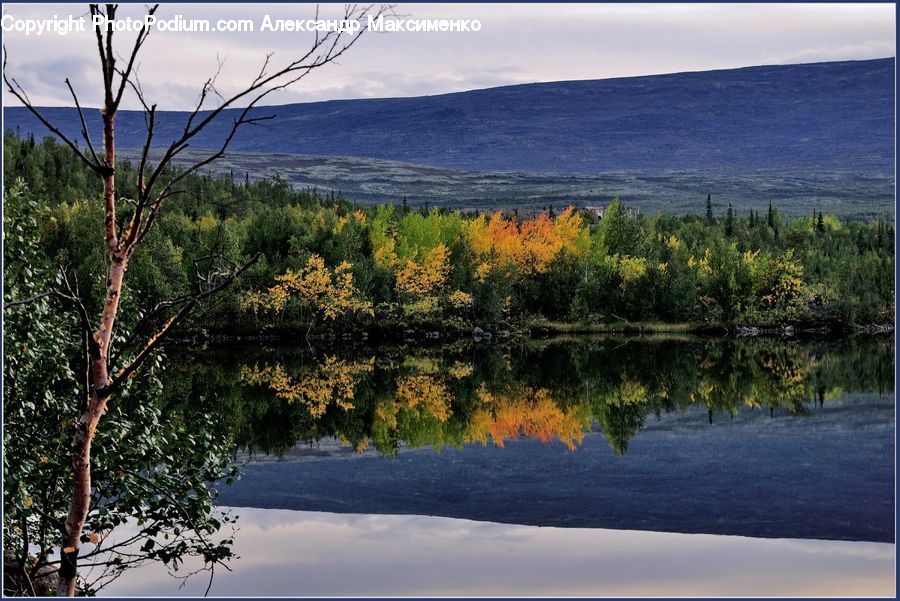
[{"x": 837, "y": 115}]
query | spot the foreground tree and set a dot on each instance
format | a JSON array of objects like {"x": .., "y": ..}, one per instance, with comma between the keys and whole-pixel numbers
[
  {"x": 127, "y": 222},
  {"x": 156, "y": 483}
]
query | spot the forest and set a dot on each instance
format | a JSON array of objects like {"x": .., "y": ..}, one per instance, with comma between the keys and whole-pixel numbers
[
  {"x": 326, "y": 265},
  {"x": 319, "y": 265}
]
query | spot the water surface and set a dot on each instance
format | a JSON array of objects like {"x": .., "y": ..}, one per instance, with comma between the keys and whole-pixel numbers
[
  {"x": 307, "y": 553},
  {"x": 607, "y": 466}
]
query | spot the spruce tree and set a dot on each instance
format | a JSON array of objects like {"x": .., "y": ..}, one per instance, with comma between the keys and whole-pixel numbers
[
  {"x": 710, "y": 219},
  {"x": 729, "y": 221}
]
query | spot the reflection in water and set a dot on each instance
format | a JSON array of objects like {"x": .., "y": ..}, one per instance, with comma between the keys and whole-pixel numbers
[
  {"x": 331, "y": 382},
  {"x": 549, "y": 390},
  {"x": 308, "y": 553},
  {"x": 825, "y": 476}
]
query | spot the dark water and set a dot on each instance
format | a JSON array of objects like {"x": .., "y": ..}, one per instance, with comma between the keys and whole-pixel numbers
[
  {"x": 759, "y": 438},
  {"x": 592, "y": 467}
]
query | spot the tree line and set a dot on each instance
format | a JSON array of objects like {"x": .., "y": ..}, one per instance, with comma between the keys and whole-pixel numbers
[{"x": 324, "y": 260}]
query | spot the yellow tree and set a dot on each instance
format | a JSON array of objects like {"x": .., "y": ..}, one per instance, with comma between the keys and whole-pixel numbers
[
  {"x": 530, "y": 246},
  {"x": 528, "y": 412},
  {"x": 328, "y": 293},
  {"x": 424, "y": 281}
]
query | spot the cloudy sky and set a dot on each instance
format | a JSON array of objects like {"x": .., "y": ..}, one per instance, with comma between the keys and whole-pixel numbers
[{"x": 516, "y": 44}]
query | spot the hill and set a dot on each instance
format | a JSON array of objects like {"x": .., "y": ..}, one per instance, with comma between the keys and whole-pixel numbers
[
  {"x": 822, "y": 116},
  {"x": 796, "y": 192}
]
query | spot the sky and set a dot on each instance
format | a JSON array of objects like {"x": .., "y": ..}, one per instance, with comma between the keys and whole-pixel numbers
[
  {"x": 352, "y": 554},
  {"x": 517, "y": 43}
]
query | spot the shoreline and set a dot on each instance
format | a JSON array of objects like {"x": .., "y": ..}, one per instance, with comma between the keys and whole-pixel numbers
[{"x": 535, "y": 331}]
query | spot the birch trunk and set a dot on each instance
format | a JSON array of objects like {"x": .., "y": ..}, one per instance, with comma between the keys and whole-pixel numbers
[{"x": 99, "y": 374}]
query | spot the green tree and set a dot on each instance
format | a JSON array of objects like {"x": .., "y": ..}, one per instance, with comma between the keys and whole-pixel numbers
[
  {"x": 126, "y": 225},
  {"x": 138, "y": 477},
  {"x": 618, "y": 233}
]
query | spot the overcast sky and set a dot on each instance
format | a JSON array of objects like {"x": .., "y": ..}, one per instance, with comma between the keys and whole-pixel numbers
[{"x": 516, "y": 44}]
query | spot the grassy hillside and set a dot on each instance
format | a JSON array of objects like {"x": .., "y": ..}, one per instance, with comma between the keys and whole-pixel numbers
[
  {"x": 845, "y": 193},
  {"x": 793, "y": 117}
]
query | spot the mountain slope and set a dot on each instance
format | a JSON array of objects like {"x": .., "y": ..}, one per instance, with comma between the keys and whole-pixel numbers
[
  {"x": 795, "y": 192},
  {"x": 826, "y": 116}
]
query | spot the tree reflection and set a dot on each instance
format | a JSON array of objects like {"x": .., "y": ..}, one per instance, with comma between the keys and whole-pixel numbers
[
  {"x": 331, "y": 382},
  {"x": 554, "y": 392},
  {"x": 528, "y": 412}
]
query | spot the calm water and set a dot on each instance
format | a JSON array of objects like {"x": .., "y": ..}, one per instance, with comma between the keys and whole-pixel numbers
[
  {"x": 286, "y": 552},
  {"x": 586, "y": 466}
]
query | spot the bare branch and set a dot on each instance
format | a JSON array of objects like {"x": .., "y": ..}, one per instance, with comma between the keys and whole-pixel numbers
[
  {"x": 325, "y": 49},
  {"x": 150, "y": 122},
  {"x": 29, "y": 300},
  {"x": 160, "y": 308},
  {"x": 107, "y": 75},
  {"x": 125, "y": 74},
  {"x": 110, "y": 59},
  {"x": 124, "y": 373},
  {"x": 16, "y": 90},
  {"x": 84, "y": 128}
]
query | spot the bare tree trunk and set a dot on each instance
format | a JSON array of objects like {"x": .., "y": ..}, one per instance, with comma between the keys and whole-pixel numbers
[
  {"x": 99, "y": 374},
  {"x": 81, "y": 496}
]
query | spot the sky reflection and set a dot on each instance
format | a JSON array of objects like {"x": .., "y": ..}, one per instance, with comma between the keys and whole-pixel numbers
[{"x": 309, "y": 553}]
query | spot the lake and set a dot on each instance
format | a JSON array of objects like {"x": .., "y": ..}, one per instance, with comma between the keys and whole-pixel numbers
[{"x": 582, "y": 466}]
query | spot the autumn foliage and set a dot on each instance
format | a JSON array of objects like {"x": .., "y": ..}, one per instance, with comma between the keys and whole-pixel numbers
[
  {"x": 529, "y": 246},
  {"x": 528, "y": 412},
  {"x": 328, "y": 292},
  {"x": 330, "y": 383}
]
